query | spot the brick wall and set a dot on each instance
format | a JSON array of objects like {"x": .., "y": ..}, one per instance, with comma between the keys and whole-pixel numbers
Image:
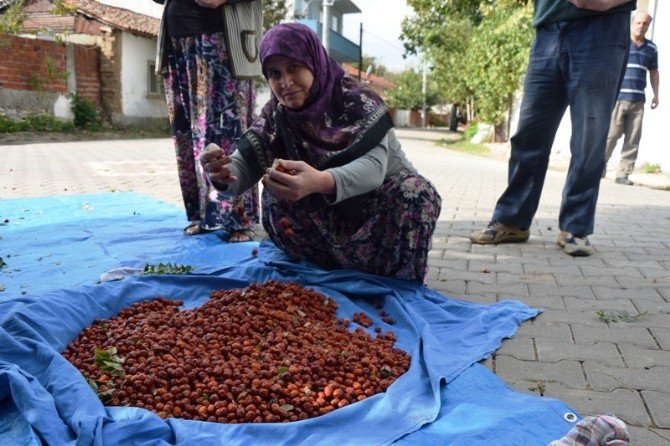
[
  {"x": 41, "y": 66},
  {"x": 87, "y": 69},
  {"x": 110, "y": 72}
]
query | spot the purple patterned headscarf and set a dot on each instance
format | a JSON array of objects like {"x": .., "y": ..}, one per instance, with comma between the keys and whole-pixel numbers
[{"x": 338, "y": 111}]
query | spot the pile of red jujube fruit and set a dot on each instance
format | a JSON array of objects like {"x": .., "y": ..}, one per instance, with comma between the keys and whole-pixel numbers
[{"x": 272, "y": 352}]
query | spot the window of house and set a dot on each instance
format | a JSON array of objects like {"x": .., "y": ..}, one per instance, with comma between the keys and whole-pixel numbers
[{"x": 155, "y": 88}]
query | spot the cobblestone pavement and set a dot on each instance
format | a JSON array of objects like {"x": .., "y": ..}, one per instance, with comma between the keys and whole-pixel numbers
[{"x": 569, "y": 352}]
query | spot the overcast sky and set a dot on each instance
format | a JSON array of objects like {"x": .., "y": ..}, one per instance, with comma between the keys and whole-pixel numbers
[
  {"x": 381, "y": 31},
  {"x": 381, "y": 27}
]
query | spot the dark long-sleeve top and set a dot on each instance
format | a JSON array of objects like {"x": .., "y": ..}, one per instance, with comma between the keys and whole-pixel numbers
[{"x": 182, "y": 18}]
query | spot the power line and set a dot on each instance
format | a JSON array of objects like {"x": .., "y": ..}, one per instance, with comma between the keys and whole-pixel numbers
[{"x": 383, "y": 40}]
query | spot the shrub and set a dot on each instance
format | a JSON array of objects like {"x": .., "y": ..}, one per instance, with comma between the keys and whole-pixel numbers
[
  {"x": 436, "y": 121},
  {"x": 651, "y": 168},
  {"x": 85, "y": 113},
  {"x": 8, "y": 125},
  {"x": 34, "y": 122},
  {"x": 470, "y": 131}
]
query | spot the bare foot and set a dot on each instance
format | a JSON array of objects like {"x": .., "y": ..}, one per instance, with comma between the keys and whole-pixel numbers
[
  {"x": 193, "y": 229},
  {"x": 245, "y": 235}
]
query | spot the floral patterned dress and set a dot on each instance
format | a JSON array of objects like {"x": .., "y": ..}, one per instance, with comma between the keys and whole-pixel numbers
[{"x": 207, "y": 105}]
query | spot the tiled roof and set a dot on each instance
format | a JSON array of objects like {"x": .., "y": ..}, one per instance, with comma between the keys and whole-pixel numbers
[
  {"x": 377, "y": 81},
  {"x": 41, "y": 21},
  {"x": 124, "y": 19}
]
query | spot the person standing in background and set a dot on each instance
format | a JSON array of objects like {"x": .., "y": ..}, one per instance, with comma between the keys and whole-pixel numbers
[
  {"x": 577, "y": 59},
  {"x": 629, "y": 109},
  {"x": 206, "y": 104}
]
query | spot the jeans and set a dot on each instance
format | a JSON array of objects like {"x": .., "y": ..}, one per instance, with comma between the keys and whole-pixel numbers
[{"x": 579, "y": 63}]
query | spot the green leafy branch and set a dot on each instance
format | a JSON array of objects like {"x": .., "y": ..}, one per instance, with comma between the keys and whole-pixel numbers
[{"x": 167, "y": 268}]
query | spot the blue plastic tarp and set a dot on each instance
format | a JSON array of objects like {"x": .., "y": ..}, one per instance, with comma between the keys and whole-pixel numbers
[{"x": 442, "y": 399}]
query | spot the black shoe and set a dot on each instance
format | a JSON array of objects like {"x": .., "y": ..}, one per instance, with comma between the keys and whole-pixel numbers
[{"x": 623, "y": 180}]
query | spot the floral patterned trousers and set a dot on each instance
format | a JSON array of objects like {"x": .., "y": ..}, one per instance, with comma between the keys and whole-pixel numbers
[
  {"x": 207, "y": 105},
  {"x": 391, "y": 236}
]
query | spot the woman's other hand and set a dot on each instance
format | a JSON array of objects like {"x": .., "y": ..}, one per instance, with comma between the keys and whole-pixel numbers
[
  {"x": 211, "y": 3},
  {"x": 216, "y": 165},
  {"x": 293, "y": 180}
]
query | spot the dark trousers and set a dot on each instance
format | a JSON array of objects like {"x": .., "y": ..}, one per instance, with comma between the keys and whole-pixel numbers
[{"x": 577, "y": 63}]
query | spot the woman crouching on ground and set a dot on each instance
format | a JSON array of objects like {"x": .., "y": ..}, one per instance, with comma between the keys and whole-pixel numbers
[{"x": 338, "y": 189}]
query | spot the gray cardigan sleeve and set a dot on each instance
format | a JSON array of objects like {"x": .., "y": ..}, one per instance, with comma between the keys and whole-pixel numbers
[
  {"x": 361, "y": 175},
  {"x": 368, "y": 172}
]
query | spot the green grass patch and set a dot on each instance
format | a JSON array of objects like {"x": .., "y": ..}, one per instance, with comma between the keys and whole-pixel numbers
[
  {"x": 465, "y": 146},
  {"x": 650, "y": 168}
]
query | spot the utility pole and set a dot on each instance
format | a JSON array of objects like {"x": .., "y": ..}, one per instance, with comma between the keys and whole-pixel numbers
[
  {"x": 423, "y": 92},
  {"x": 325, "y": 29},
  {"x": 360, "y": 52}
]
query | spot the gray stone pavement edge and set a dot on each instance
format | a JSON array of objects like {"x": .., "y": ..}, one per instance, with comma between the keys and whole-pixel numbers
[{"x": 591, "y": 362}]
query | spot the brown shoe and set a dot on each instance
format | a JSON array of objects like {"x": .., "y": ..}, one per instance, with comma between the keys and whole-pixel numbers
[
  {"x": 496, "y": 233},
  {"x": 573, "y": 245}
]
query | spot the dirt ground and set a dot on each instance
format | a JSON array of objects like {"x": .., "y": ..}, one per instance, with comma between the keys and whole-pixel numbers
[{"x": 79, "y": 135}]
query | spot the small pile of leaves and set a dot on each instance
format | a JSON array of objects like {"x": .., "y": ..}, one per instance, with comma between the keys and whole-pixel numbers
[{"x": 620, "y": 316}]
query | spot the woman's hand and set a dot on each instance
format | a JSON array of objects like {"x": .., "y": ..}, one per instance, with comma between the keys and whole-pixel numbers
[
  {"x": 293, "y": 180},
  {"x": 211, "y": 3},
  {"x": 216, "y": 165}
]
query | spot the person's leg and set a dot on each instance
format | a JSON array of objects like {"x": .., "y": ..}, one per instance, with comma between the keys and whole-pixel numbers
[
  {"x": 542, "y": 107},
  {"x": 299, "y": 229},
  {"x": 631, "y": 142},
  {"x": 391, "y": 237},
  {"x": 395, "y": 235},
  {"x": 616, "y": 130},
  {"x": 179, "y": 112},
  {"x": 596, "y": 54},
  {"x": 233, "y": 103},
  {"x": 219, "y": 115}
]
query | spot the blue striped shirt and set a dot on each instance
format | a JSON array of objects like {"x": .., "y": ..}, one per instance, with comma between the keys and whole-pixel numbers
[{"x": 640, "y": 59}]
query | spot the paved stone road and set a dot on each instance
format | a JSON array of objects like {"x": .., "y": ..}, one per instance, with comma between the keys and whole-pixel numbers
[{"x": 568, "y": 352}]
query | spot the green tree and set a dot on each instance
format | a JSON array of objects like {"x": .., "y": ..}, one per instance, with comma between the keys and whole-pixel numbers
[
  {"x": 376, "y": 68},
  {"x": 478, "y": 49},
  {"x": 274, "y": 11},
  {"x": 12, "y": 18},
  {"x": 408, "y": 92},
  {"x": 497, "y": 58}
]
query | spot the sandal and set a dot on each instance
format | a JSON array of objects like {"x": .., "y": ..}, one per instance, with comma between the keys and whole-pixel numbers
[
  {"x": 243, "y": 235},
  {"x": 194, "y": 228}
]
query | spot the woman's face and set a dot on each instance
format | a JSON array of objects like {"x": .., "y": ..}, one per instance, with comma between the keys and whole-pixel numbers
[{"x": 290, "y": 80}]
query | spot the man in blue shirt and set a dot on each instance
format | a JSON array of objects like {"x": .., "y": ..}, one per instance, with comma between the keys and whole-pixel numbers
[
  {"x": 577, "y": 59},
  {"x": 629, "y": 108}
]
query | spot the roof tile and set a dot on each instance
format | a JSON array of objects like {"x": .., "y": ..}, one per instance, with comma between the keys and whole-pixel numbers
[{"x": 124, "y": 19}]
